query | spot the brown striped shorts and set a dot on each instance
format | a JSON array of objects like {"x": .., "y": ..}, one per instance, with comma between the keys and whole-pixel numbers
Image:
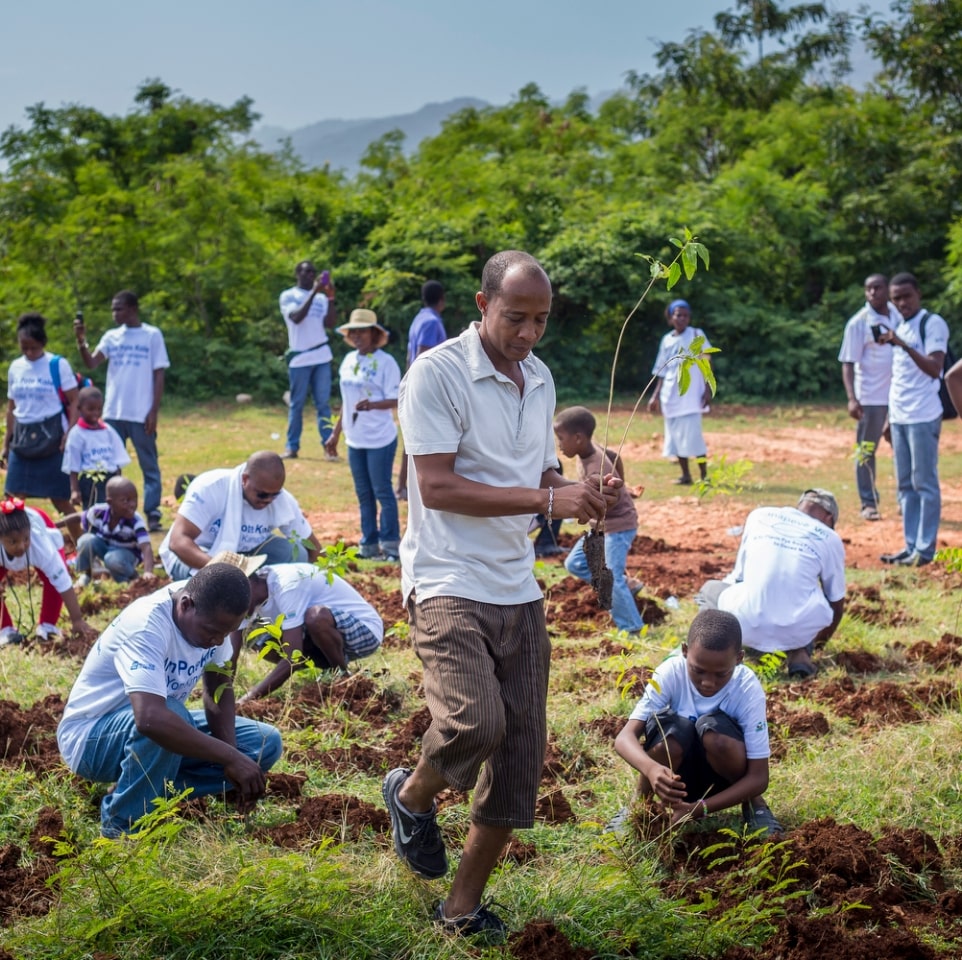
[{"x": 486, "y": 685}]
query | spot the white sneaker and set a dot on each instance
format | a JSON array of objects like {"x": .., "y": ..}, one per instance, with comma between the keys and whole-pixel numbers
[
  {"x": 82, "y": 581},
  {"x": 46, "y": 632},
  {"x": 9, "y": 636}
]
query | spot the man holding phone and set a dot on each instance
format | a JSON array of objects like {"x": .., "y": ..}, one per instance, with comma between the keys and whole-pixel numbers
[
  {"x": 309, "y": 312},
  {"x": 867, "y": 373}
]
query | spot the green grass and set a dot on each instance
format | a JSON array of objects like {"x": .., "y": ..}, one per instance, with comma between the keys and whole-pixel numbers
[{"x": 213, "y": 890}]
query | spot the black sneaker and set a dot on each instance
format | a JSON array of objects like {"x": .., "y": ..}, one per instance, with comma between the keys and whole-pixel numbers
[
  {"x": 480, "y": 920},
  {"x": 417, "y": 838},
  {"x": 760, "y": 817},
  {"x": 895, "y": 557}
]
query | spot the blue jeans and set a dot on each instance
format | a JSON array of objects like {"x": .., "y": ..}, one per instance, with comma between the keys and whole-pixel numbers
[
  {"x": 145, "y": 445},
  {"x": 317, "y": 381},
  {"x": 142, "y": 768},
  {"x": 624, "y": 610},
  {"x": 120, "y": 562},
  {"x": 278, "y": 550},
  {"x": 916, "y": 449},
  {"x": 371, "y": 470},
  {"x": 869, "y": 430}
]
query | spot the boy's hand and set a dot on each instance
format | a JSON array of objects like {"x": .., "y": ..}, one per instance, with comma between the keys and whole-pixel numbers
[
  {"x": 668, "y": 786},
  {"x": 75, "y": 498},
  {"x": 685, "y": 811}
]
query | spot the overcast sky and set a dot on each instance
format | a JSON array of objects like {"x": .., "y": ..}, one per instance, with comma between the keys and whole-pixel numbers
[{"x": 304, "y": 61}]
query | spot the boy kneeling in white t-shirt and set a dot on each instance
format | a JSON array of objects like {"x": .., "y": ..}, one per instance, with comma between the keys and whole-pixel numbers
[{"x": 699, "y": 735}]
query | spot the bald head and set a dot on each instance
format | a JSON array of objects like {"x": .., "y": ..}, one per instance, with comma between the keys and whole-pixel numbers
[
  {"x": 120, "y": 487},
  {"x": 265, "y": 463},
  {"x": 505, "y": 262}
]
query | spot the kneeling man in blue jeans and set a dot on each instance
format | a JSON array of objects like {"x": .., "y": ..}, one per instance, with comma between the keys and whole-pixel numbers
[{"x": 125, "y": 719}]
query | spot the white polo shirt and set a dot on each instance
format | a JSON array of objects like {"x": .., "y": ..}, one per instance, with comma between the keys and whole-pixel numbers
[{"x": 454, "y": 401}]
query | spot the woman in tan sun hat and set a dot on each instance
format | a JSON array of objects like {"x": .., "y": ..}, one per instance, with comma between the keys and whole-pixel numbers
[{"x": 369, "y": 387}]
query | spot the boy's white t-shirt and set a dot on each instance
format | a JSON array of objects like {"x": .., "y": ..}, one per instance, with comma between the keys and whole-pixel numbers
[
  {"x": 94, "y": 451},
  {"x": 43, "y": 553},
  {"x": 373, "y": 376},
  {"x": 797, "y": 569},
  {"x": 742, "y": 698},
  {"x": 294, "y": 587},
  {"x": 204, "y": 506},
  {"x": 31, "y": 388},
  {"x": 133, "y": 354},
  {"x": 673, "y": 402},
  {"x": 142, "y": 651}
]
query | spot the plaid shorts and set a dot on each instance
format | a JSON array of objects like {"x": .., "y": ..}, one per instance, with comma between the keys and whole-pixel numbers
[{"x": 358, "y": 639}]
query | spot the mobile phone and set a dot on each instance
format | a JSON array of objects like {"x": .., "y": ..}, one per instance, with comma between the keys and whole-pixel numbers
[
  {"x": 79, "y": 316},
  {"x": 877, "y": 332},
  {"x": 325, "y": 277}
]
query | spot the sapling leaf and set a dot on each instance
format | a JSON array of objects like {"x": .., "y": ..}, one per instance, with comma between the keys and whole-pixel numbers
[
  {"x": 676, "y": 242},
  {"x": 674, "y": 274},
  {"x": 702, "y": 252},
  {"x": 684, "y": 377},
  {"x": 707, "y": 373},
  {"x": 689, "y": 261}
]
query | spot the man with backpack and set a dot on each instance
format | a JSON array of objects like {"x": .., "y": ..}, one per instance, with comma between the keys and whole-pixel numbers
[
  {"x": 137, "y": 357},
  {"x": 920, "y": 342}
]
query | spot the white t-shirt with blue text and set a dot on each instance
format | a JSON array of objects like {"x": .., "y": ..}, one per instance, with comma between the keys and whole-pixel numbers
[
  {"x": 31, "y": 388},
  {"x": 94, "y": 451},
  {"x": 142, "y": 651},
  {"x": 133, "y": 354}
]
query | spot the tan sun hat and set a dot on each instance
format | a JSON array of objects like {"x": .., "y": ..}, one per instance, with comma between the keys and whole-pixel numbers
[
  {"x": 250, "y": 565},
  {"x": 362, "y": 319}
]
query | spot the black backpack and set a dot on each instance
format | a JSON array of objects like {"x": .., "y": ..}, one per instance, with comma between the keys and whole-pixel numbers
[{"x": 948, "y": 407}]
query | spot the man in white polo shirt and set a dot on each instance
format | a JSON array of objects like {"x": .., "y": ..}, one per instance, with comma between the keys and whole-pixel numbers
[
  {"x": 136, "y": 360},
  {"x": 867, "y": 373},
  {"x": 477, "y": 415},
  {"x": 309, "y": 312},
  {"x": 915, "y": 419}
]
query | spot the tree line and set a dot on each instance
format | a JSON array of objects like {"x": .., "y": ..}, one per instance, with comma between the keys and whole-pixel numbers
[{"x": 799, "y": 184}]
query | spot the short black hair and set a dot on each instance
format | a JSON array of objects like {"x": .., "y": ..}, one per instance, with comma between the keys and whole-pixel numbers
[
  {"x": 88, "y": 393},
  {"x": 905, "y": 277},
  {"x": 128, "y": 298},
  {"x": 492, "y": 277},
  {"x": 576, "y": 420},
  {"x": 716, "y": 630},
  {"x": 431, "y": 293},
  {"x": 219, "y": 588},
  {"x": 34, "y": 326}
]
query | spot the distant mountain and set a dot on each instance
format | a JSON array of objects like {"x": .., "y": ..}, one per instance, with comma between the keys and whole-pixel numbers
[{"x": 341, "y": 143}]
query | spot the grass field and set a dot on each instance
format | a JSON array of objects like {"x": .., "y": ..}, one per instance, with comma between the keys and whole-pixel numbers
[{"x": 865, "y": 775}]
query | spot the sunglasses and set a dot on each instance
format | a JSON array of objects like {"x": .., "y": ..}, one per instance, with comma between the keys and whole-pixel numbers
[{"x": 263, "y": 495}]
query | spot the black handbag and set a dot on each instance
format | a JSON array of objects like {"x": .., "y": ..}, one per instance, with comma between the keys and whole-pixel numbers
[{"x": 35, "y": 441}]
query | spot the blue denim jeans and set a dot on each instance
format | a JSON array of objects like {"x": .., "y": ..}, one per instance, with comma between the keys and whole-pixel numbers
[
  {"x": 278, "y": 550},
  {"x": 145, "y": 445},
  {"x": 624, "y": 610},
  {"x": 372, "y": 470},
  {"x": 315, "y": 380},
  {"x": 120, "y": 562},
  {"x": 916, "y": 449},
  {"x": 869, "y": 430},
  {"x": 142, "y": 768}
]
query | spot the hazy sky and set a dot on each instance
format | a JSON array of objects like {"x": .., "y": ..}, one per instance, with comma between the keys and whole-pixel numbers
[{"x": 304, "y": 61}]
